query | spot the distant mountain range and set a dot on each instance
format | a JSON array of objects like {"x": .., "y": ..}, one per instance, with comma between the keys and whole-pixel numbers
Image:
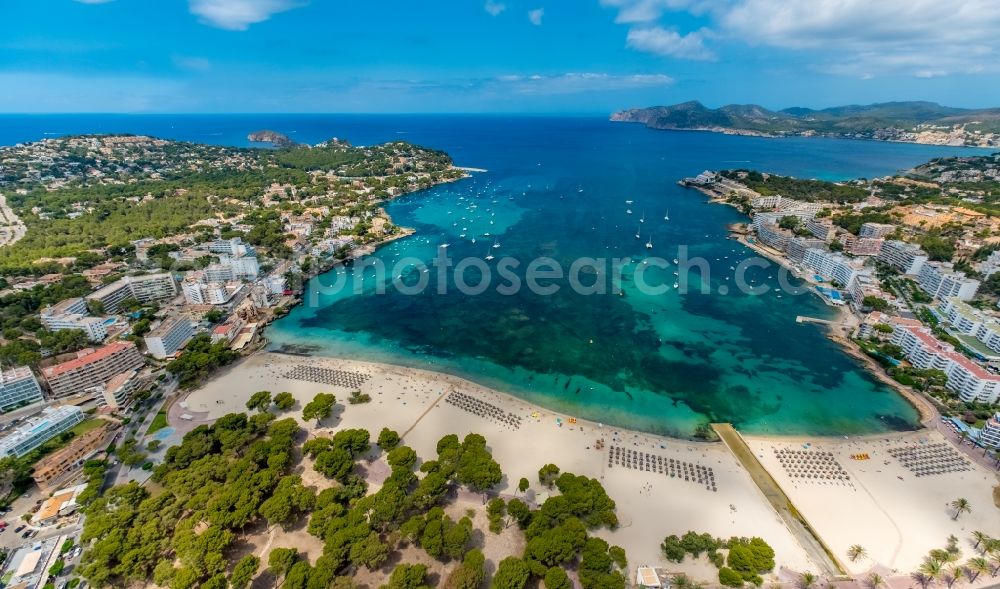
[{"x": 912, "y": 122}]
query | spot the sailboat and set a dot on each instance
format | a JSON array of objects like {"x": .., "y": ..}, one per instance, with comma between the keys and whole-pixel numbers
[
  {"x": 496, "y": 243},
  {"x": 628, "y": 211},
  {"x": 666, "y": 216},
  {"x": 489, "y": 256},
  {"x": 649, "y": 244},
  {"x": 642, "y": 219},
  {"x": 637, "y": 233}
]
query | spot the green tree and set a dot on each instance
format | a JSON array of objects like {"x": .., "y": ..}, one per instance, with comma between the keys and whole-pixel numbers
[
  {"x": 244, "y": 571},
  {"x": 284, "y": 401},
  {"x": 468, "y": 575},
  {"x": 556, "y": 578},
  {"x": 319, "y": 408},
  {"x": 523, "y": 484},
  {"x": 730, "y": 578},
  {"x": 961, "y": 505},
  {"x": 281, "y": 560},
  {"x": 260, "y": 401},
  {"x": 387, "y": 439},
  {"x": 370, "y": 552},
  {"x": 512, "y": 573},
  {"x": 547, "y": 474},
  {"x": 408, "y": 576},
  {"x": 856, "y": 552}
]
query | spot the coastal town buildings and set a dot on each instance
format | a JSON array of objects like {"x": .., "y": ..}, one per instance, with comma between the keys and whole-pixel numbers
[
  {"x": 906, "y": 258},
  {"x": 169, "y": 336},
  {"x": 797, "y": 246},
  {"x": 968, "y": 380},
  {"x": 832, "y": 266},
  {"x": 861, "y": 246},
  {"x": 91, "y": 368},
  {"x": 771, "y": 235},
  {"x": 821, "y": 229},
  {"x": 73, "y": 314},
  {"x": 18, "y": 387},
  {"x": 940, "y": 280},
  {"x": 58, "y": 467},
  {"x": 968, "y": 320},
  {"x": 145, "y": 289},
  {"x": 876, "y": 230},
  {"x": 199, "y": 290},
  {"x": 35, "y": 431},
  {"x": 116, "y": 393},
  {"x": 990, "y": 435},
  {"x": 991, "y": 265}
]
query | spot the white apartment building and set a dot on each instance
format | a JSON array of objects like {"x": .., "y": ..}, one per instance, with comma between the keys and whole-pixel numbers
[
  {"x": 217, "y": 273},
  {"x": 990, "y": 436},
  {"x": 797, "y": 246},
  {"x": 773, "y": 236},
  {"x": 145, "y": 289},
  {"x": 821, "y": 228},
  {"x": 244, "y": 266},
  {"x": 940, "y": 280},
  {"x": 970, "y": 381},
  {"x": 229, "y": 247},
  {"x": 876, "y": 229},
  {"x": 73, "y": 314},
  {"x": 18, "y": 387},
  {"x": 169, "y": 336},
  {"x": 971, "y": 321},
  {"x": 990, "y": 265},
  {"x": 906, "y": 258},
  {"x": 199, "y": 292},
  {"x": 832, "y": 266},
  {"x": 37, "y": 430}
]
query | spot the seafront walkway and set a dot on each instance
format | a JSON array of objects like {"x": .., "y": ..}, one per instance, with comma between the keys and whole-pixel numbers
[{"x": 814, "y": 546}]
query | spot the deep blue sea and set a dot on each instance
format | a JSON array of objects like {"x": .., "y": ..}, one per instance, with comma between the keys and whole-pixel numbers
[{"x": 557, "y": 187}]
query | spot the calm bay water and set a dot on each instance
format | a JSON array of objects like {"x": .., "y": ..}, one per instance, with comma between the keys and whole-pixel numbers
[{"x": 557, "y": 187}]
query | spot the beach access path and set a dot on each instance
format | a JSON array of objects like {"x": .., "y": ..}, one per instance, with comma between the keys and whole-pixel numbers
[{"x": 797, "y": 525}]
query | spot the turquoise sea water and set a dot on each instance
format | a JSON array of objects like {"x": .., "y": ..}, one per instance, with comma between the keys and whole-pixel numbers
[{"x": 557, "y": 187}]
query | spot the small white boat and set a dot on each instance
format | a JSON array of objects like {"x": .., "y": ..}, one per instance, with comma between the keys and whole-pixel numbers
[
  {"x": 489, "y": 256},
  {"x": 666, "y": 216},
  {"x": 642, "y": 219},
  {"x": 637, "y": 234},
  {"x": 675, "y": 260},
  {"x": 628, "y": 211},
  {"x": 649, "y": 244}
]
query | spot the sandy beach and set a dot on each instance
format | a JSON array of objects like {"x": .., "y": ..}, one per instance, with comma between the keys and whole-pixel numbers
[{"x": 897, "y": 519}]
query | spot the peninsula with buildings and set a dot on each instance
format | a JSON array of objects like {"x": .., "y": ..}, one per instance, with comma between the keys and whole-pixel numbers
[
  {"x": 908, "y": 122},
  {"x": 912, "y": 259}
]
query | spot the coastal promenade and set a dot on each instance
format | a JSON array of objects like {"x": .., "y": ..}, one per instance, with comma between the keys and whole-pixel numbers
[{"x": 797, "y": 525}]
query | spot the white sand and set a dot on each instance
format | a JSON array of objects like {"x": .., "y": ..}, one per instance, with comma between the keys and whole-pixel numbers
[
  {"x": 897, "y": 523},
  {"x": 896, "y": 516}
]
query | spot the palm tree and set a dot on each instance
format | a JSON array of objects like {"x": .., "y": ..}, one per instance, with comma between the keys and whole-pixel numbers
[
  {"x": 932, "y": 569},
  {"x": 981, "y": 538},
  {"x": 995, "y": 563},
  {"x": 807, "y": 580},
  {"x": 856, "y": 552},
  {"x": 952, "y": 575},
  {"x": 977, "y": 566},
  {"x": 922, "y": 579},
  {"x": 961, "y": 505},
  {"x": 874, "y": 581}
]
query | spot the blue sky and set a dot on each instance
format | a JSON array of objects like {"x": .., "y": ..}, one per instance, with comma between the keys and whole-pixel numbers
[{"x": 570, "y": 56}]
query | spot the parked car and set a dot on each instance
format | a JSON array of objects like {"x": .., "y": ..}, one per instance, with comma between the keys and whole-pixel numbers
[
  {"x": 26, "y": 534},
  {"x": 19, "y": 528}
]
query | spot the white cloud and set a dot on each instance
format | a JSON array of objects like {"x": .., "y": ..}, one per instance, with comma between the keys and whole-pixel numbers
[
  {"x": 494, "y": 8},
  {"x": 669, "y": 43},
  {"x": 238, "y": 15},
  {"x": 850, "y": 37},
  {"x": 535, "y": 16}
]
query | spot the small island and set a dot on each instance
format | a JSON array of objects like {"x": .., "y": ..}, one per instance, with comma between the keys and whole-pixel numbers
[{"x": 273, "y": 137}]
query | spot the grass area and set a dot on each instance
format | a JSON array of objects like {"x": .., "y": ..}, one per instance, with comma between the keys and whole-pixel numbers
[
  {"x": 159, "y": 422},
  {"x": 975, "y": 346},
  {"x": 86, "y": 425}
]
